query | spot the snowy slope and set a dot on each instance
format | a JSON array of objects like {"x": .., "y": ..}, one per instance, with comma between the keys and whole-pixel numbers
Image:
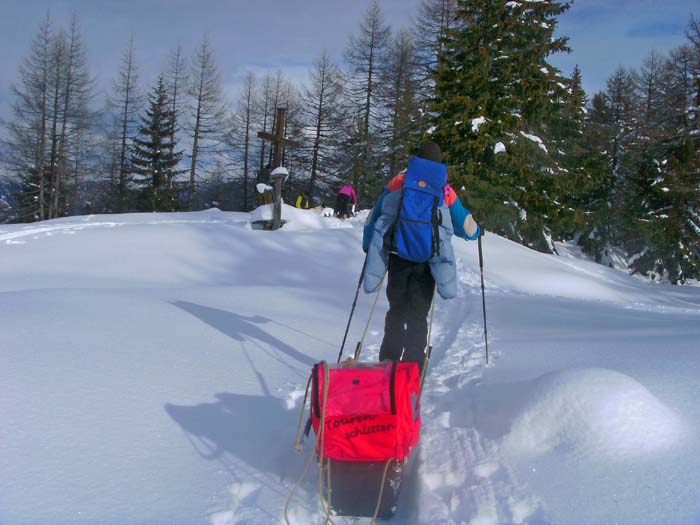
[{"x": 152, "y": 368}]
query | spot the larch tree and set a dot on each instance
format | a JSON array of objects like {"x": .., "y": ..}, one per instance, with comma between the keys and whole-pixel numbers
[
  {"x": 240, "y": 135},
  {"x": 321, "y": 113},
  {"x": 176, "y": 81},
  {"x": 76, "y": 120},
  {"x": 399, "y": 94},
  {"x": 125, "y": 103},
  {"x": 207, "y": 122},
  {"x": 364, "y": 55},
  {"x": 51, "y": 115},
  {"x": 435, "y": 18},
  {"x": 26, "y": 142}
]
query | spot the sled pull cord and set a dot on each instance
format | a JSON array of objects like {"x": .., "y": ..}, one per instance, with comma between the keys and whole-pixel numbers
[
  {"x": 381, "y": 490},
  {"x": 352, "y": 310},
  {"x": 315, "y": 450},
  {"x": 358, "y": 349}
]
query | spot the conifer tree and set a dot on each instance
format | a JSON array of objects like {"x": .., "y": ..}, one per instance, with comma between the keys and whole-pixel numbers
[
  {"x": 76, "y": 120},
  {"x": 153, "y": 154},
  {"x": 27, "y": 131},
  {"x": 573, "y": 156},
  {"x": 435, "y": 18},
  {"x": 495, "y": 91},
  {"x": 613, "y": 131},
  {"x": 207, "y": 123},
  {"x": 125, "y": 103},
  {"x": 365, "y": 53},
  {"x": 241, "y": 132},
  {"x": 594, "y": 217},
  {"x": 321, "y": 114},
  {"x": 47, "y": 134},
  {"x": 667, "y": 182},
  {"x": 176, "y": 81},
  {"x": 399, "y": 95}
]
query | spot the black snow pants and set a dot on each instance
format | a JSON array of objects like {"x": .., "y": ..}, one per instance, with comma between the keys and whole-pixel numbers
[
  {"x": 410, "y": 290},
  {"x": 342, "y": 204}
]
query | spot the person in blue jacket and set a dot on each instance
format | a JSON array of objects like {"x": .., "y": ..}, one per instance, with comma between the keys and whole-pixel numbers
[{"x": 411, "y": 285}]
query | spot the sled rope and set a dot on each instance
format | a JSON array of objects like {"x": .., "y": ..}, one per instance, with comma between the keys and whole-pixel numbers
[
  {"x": 328, "y": 490},
  {"x": 315, "y": 450},
  {"x": 369, "y": 319},
  {"x": 381, "y": 490}
]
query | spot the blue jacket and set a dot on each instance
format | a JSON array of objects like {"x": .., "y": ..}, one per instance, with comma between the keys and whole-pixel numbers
[{"x": 443, "y": 266}]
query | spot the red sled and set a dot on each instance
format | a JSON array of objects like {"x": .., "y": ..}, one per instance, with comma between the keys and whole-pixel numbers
[{"x": 366, "y": 417}]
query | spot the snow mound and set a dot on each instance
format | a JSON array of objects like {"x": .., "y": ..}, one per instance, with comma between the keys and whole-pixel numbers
[
  {"x": 591, "y": 410},
  {"x": 297, "y": 219}
]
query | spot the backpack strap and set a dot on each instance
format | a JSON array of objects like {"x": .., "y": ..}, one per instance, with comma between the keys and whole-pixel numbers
[{"x": 392, "y": 386}]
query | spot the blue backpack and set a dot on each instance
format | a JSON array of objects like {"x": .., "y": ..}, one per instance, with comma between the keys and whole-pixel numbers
[{"x": 415, "y": 235}]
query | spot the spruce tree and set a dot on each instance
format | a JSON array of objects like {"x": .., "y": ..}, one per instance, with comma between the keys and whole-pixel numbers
[
  {"x": 495, "y": 95},
  {"x": 577, "y": 188},
  {"x": 589, "y": 189},
  {"x": 153, "y": 154}
]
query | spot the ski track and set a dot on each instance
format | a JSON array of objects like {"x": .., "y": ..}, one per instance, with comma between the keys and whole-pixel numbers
[
  {"x": 470, "y": 484},
  {"x": 46, "y": 231}
]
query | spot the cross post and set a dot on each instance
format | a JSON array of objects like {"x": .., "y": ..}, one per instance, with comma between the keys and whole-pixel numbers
[{"x": 278, "y": 143}]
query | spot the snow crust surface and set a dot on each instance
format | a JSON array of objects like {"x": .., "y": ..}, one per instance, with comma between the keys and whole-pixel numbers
[{"x": 153, "y": 367}]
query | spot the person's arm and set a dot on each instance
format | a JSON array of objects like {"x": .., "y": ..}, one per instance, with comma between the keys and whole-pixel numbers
[
  {"x": 371, "y": 219},
  {"x": 463, "y": 222}
]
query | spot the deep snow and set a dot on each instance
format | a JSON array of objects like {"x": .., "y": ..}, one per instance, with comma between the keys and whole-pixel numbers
[{"x": 152, "y": 368}]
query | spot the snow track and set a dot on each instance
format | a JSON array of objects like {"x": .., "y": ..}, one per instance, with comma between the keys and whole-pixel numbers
[
  {"x": 35, "y": 232},
  {"x": 461, "y": 479}
]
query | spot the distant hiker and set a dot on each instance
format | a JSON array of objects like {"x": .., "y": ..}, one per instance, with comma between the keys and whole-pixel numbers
[
  {"x": 343, "y": 207},
  {"x": 302, "y": 201},
  {"x": 416, "y": 247}
]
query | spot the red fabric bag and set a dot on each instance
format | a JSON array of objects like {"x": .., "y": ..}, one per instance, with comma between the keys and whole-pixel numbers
[{"x": 372, "y": 410}]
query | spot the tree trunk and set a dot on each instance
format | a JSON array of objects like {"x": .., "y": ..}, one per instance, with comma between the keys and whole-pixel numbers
[{"x": 195, "y": 145}]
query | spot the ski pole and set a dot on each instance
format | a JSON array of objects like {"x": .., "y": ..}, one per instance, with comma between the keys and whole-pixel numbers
[
  {"x": 483, "y": 295},
  {"x": 352, "y": 310}
]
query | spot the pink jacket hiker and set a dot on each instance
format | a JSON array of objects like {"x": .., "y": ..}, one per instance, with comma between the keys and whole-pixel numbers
[{"x": 349, "y": 190}]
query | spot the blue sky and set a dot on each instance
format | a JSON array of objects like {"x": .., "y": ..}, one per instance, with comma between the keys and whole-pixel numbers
[
  {"x": 262, "y": 35},
  {"x": 605, "y": 34}
]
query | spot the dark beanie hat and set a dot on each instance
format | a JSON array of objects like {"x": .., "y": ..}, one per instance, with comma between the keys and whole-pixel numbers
[{"x": 430, "y": 151}]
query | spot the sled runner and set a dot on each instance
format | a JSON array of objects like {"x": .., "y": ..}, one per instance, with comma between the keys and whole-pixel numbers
[{"x": 355, "y": 487}]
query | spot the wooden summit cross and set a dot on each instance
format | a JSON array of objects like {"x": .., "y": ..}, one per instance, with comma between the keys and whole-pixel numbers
[{"x": 278, "y": 143}]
